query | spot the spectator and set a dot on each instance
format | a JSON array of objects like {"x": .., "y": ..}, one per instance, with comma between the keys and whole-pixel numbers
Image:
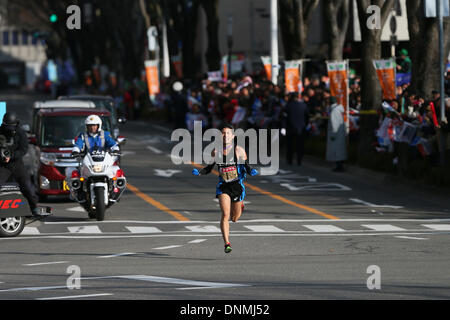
[
  {"x": 405, "y": 63},
  {"x": 336, "y": 142}
]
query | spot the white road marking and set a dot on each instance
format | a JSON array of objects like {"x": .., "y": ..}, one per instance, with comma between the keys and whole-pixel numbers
[
  {"x": 438, "y": 227},
  {"x": 78, "y": 297},
  {"x": 166, "y": 173},
  {"x": 299, "y": 186},
  {"x": 382, "y": 227},
  {"x": 264, "y": 228},
  {"x": 374, "y": 205},
  {"x": 324, "y": 228},
  {"x": 33, "y": 289},
  {"x": 117, "y": 255},
  {"x": 143, "y": 229},
  {"x": 168, "y": 247},
  {"x": 411, "y": 238},
  {"x": 197, "y": 241},
  {"x": 212, "y": 229},
  {"x": 154, "y": 150},
  {"x": 30, "y": 231},
  {"x": 76, "y": 209},
  {"x": 85, "y": 229},
  {"x": 44, "y": 263}
]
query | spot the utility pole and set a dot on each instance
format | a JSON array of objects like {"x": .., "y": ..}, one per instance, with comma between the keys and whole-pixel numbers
[{"x": 274, "y": 40}]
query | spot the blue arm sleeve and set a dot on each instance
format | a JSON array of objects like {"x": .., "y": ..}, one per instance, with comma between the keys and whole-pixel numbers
[
  {"x": 109, "y": 141},
  {"x": 80, "y": 142}
]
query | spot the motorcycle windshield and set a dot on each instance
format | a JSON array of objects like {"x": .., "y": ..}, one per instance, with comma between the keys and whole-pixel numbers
[{"x": 98, "y": 154}]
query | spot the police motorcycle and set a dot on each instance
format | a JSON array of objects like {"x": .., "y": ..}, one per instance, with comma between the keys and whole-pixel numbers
[{"x": 98, "y": 182}]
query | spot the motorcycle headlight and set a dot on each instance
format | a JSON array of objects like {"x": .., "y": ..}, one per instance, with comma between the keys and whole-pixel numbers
[
  {"x": 97, "y": 168},
  {"x": 48, "y": 159}
]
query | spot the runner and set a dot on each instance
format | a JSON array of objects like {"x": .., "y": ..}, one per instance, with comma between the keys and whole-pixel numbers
[{"x": 232, "y": 173}]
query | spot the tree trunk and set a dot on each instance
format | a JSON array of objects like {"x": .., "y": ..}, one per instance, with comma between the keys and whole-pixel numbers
[
  {"x": 213, "y": 53},
  {"x": 371, "y": 94},
  {"x": 424, "y": 49},
  {"x": 337, "y": 15},
  {"x": 295, "y": 17}
]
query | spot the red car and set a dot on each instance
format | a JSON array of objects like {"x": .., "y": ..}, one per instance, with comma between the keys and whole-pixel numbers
[{"x": 51, "y": 141}]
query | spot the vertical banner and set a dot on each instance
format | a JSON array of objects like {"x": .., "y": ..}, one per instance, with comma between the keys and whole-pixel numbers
[
  {"x": 225, "y": 68},
  {"x": 293, "y": 76},
  {"x": 267, "y": 62},
  {"x": 151, "y": 70},
  {"x": 338, "y": 74},
  {"x": 386, "y": 74},
  {"x": 178, "y": 66}
]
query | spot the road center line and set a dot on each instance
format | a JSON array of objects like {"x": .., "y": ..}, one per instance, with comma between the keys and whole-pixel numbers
[
  {"x": 156, "y": 204},
  {"x": 117, "y": 255}
]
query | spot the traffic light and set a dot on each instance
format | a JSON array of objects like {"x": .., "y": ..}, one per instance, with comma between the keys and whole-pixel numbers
[{"x": 53, "y": 18}]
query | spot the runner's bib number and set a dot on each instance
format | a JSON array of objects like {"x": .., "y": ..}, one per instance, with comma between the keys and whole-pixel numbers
[{"x": 229, "y": 174}]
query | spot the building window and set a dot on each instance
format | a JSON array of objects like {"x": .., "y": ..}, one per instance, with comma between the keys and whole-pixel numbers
[
  {"x": 15, "y": 38},
  {"x": 6, "y": 38},
  {"x": 25, "y": 36}
]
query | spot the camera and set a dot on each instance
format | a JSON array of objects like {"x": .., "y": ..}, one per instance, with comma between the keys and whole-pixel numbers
[{"x": 6, "y": 147}]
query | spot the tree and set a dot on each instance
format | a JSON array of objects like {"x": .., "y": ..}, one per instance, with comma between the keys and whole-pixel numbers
[
  {"x": 371, "y": 96},
  {"x": 337, "y": 15},
  {"x": 213, "y": 53},
  {"x": 295, "y": 18},
  {"x": 424, "y": 48}
]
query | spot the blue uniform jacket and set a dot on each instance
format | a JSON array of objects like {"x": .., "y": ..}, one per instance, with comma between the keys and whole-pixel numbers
[{"x": 96, "y": 142}]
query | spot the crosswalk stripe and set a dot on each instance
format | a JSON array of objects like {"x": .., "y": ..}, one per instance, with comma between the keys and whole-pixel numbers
[
  {"x": 383, "y": 227},
  {"x": 143, "y": 229},
  {"x": 324, "y": 228},
  {"x": 27, "y": 231},
  {"x": 85, "y": 230},
  {"x": 438, "y": 227},
  {"x": 264, "y": 228},
  {"x": 207, "y": 229}
]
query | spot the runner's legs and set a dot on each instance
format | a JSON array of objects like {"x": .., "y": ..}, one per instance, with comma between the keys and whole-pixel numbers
[{"x": 225, "y": 206}]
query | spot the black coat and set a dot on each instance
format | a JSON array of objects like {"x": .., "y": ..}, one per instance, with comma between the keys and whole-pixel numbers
[
  {"x": 297, "y": 117},
  {"x": 20, "y": 147}
]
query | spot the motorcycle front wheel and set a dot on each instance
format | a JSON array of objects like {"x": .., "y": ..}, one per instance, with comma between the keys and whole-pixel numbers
[
  {"x": 11, "y": 227},
  {"x": 100, "y": 205}
]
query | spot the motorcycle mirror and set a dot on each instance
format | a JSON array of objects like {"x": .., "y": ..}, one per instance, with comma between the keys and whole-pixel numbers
[
  {"x": 121, "y": 120},
  {"x": 121, "y": 141}
]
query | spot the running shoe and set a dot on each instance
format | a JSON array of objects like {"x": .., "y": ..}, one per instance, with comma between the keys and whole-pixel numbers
[{"x": 228, "y": 248}]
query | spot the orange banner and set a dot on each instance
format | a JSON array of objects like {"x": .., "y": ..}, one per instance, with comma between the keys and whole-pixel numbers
[
  {"x": 267, "y": 62},
  {"x": 178, "y": 66},
  {"x": 151, "y": 71},
  {"x": 337, "y": 72},
  {"x": 386, "y": 74},
  {"x": 293, "y": 76}
]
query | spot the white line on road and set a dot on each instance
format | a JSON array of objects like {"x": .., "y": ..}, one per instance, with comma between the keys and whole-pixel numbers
[
  {"x": 197, "y": 241},
  {"x": 168, "y": 247},
  {"x": 117, "y": 255},
  {"x": 30, "y": 231},
  {"x": 143, "y": 230},
  {"x": 154, "y": 150},
  {"x": 411, "y": 238},
  {"x": 438, "y": 227},
  {"x": 33, "y": 289},
  {"x": 382, "y": 227},
  {"x": 324, "y": 228},
  {"x": 78, "y": 297},
  {"x": 44, "y": 263},
  {"x": 212, "y": 229},
  {"x": 374, "y": 205},
  {"x": 264, "y": 229},
  {"x": 85, "y": 229}
]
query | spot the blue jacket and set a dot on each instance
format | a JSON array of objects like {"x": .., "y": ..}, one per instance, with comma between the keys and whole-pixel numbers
[{"x": 108, "y": 142}]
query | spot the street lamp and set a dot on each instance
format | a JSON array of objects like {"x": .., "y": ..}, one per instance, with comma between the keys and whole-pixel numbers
[{"x": 230, "y": 41}]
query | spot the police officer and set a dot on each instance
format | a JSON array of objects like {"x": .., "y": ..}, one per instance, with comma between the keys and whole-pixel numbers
[
  {"x": 94, "y": 137},
  {"x": 12, "y": 165}
]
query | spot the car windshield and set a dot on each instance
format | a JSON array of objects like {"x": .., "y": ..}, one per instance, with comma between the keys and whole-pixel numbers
[{"x": 61, "y": 131}]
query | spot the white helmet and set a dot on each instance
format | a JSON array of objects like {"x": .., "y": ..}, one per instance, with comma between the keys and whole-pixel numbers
[{"x": 94, "y": 120}]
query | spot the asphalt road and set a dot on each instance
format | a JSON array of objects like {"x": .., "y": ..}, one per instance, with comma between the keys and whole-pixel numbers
[{"x": 306, "y": 233}]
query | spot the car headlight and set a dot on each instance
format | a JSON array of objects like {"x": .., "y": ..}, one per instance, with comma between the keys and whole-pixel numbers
[
  {"x": 48, "y": 159},
  {"x": 44, "y": 183},
  {"x": 97, "y": 168}
]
